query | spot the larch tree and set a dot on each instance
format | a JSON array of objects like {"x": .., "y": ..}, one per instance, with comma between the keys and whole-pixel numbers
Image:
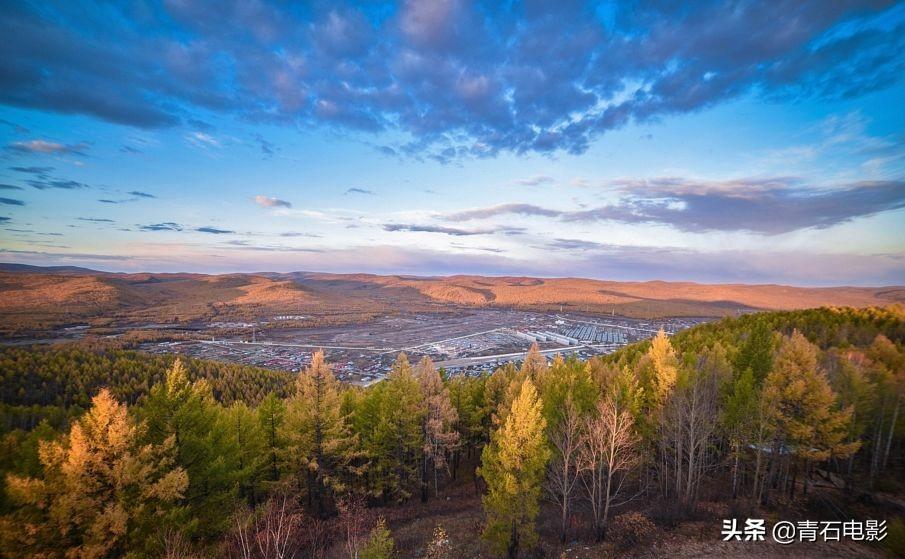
[
  {"x": 610, "y": 447},
  {"x": 271, "y": 415},
  {"x": 397, "y": 440},
  {"x": 534, "y": 364},
  {"x": 805, "y": 421},
  {"x": 205, "y": 448},
  {"x": 319, "y": 445},
  {"x": 103, "y": 493},
  {"x": 665, "y": 364},
  {"x": 440, "y": 418},
  {"x": 513, "y": 465},
  {"x": 249, "y": 442}
]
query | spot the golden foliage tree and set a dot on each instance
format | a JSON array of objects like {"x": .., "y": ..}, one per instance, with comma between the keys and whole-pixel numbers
[
  {"x": 103, "y": 492},
  {"x": 803, "y": 414},
  {"x": 440, "y": 418},
  {"x": 665, "y": 365},
  {"x": 513, "y": 465}
]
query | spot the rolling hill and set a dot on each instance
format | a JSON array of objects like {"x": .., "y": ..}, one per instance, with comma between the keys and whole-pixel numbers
[{"x": 33, "y": 299}]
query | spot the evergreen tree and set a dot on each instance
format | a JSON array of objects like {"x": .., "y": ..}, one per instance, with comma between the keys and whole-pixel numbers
[{"x": 513, "y": 466}]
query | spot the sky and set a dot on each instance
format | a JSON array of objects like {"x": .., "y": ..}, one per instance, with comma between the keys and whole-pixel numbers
[{"x": 739, "y": 142}]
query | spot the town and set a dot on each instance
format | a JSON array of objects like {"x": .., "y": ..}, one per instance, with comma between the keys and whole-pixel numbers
[{"x": 460, "y": 343}]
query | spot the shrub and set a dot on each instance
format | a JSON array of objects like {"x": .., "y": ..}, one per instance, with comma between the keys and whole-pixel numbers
[{"x": 632, "y": 529}]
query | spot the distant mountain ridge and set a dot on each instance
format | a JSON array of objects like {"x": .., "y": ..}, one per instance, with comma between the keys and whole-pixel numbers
[{"x": 35, "y": 298}]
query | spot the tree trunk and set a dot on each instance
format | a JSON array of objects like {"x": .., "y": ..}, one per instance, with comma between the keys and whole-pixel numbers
[
  {"x": 892, "y": 428},
  {"x": 513, "y": 542}
]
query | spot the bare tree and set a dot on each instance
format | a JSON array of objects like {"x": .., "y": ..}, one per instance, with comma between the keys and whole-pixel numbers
[
  {"x": 686, "y": 430},
  {"x": 273, "y": 532},
  {"x": 563, "y": 472},
  {"x": 609, "y": 451},
  {"x": 355, "y": 522}
]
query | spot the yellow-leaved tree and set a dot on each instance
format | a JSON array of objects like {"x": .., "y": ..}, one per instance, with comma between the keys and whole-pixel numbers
[
  {"x": 803, "y": 414},
  {"x": 103, "y": 493},
  {"x": 513, "y": 465}
]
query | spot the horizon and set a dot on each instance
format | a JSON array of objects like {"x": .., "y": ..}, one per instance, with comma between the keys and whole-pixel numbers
[
  {"x": 441, "y": 276},
  {"x": 594, "y": 140}
]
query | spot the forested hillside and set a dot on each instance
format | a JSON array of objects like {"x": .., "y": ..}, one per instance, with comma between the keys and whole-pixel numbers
[{"x": 780, "y": 415}]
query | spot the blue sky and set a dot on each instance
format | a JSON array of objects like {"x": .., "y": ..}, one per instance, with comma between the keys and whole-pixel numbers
[{"x": 716, "y": 141}]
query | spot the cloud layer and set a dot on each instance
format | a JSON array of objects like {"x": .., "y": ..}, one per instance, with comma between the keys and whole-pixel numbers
[
  {"x": 457, "y": 78},
  {"x": 764, "y": 206}
]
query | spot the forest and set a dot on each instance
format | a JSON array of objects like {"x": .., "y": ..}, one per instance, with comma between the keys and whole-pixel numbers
[{"x": 110, "y": 453}]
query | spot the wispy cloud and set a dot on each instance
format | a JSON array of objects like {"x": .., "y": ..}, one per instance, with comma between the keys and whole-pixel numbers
[
  {"x": 34, "y": 170},
  {"x": 63, "y": 184},
  {"x": 359, "y": 191},
  {"x": 203, "y": 140},
  {"x": 10, "y": 187},
  {"x": 11, "y": 202},
  {"x": 46, "y": 147},
  {"x": 213, "y": 230},
  {"x": 140, "y": 194},
  {"x": 95, "y": 219},
  {"x": 536, "y": 180},
  {"x": 456, "y": 232},
  {"x": 165, "y": 226},
  {"x": 502, "y": 209},
  {"x": 765, "y": 206},
  {"x": 269, "y": 202}
]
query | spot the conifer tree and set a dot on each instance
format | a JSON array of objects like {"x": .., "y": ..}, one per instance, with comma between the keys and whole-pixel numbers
[
  {"x": 440, "y": 417},
  {"x": 104, "y": 492},
  {"x": 665, "y": 364},
  {"x": 804, "y": 417},
  {"x": 535, "y": 364},
  {"x": 397, "y": 440},
  {"x": 319, "y": 446},
  {"x": 513, "y": 466},
  {"x": 271, "y": 415},
  {"x": 380, "y": 544},
  {"x": 250, "y": 446},
  {"x": 205, "y": 448}
]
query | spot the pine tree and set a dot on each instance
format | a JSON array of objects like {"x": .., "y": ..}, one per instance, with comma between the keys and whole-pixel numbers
[
  {"x": 440, "y": 417},
  {"x": 319, "y": 446},
  {"x": 104, "y": 493},
  {"x": 513, "y": 466}
]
